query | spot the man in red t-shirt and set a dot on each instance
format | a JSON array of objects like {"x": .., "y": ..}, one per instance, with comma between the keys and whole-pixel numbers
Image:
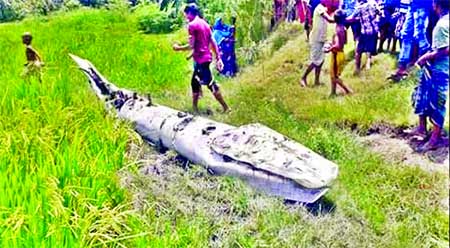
[{"x": 200, "y": 39}]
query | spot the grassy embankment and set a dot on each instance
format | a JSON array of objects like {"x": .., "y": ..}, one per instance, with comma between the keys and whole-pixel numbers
[{"x": 60, "y": 152}]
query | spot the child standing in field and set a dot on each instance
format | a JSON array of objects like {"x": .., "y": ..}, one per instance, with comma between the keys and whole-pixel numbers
[
  {"x": 317, "y": 41},
  {"x": 337, "y": 53},
  {"x": 430, "y": 97},
  {"x": 34, "y": 64}
]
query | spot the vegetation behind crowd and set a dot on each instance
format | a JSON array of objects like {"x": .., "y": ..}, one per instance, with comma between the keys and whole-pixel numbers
[
  {"x": 252, "y": 25},
  {"x": 60, "y": 151}
]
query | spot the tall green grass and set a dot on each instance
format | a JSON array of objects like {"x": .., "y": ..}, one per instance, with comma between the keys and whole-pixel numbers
[{"x": 59, "y": 150}]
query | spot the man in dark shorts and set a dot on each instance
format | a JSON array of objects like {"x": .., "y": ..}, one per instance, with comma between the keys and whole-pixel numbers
[
  {"x": 366, "y": 13},
  {"x": 200, "y": 39}
]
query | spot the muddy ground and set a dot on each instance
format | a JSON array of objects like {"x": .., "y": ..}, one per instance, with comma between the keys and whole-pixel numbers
[{"x": 396, "y": 147}]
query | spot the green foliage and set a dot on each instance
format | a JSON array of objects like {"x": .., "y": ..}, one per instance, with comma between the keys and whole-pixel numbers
[
  {"x": 329, "y": 144},
  {"x": 59, "y": 151},
  {"x": 152, "y": 20},
  {"x": 18, "y": 9},
  {"x": 94, "y": 3},
  {"x": 253, "y": 17}
]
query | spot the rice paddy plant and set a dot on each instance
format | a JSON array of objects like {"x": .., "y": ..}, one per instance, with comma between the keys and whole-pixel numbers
[{"x": 59, "y": 150}]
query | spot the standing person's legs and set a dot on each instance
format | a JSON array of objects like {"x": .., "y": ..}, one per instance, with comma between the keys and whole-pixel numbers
[
  {"x": 407, "y": 35},
  {"x": 196, "y": 89},
  {"x": 316, "y": 57},
  {"x": 357, "y": 63},
  {"x": 307, "y": 29},
  {"x": 368, "y": 61},
  {"x": 394, "y": 45},
  {"x": 208, "y": 80},
  {"x": 438, "y": 106},
  {"x": 318, "y": 69},
  {"x": 421, "y": 102},
  {"x": 303, "y": 80},
  {"x": 346, "y": 89},
  {"x": 360, "y": 49},
  {"x": 371, "y": 49},
  {"x": 196, "y": 92},
  {"x": 340, "y": 60},
  {"x": 420, "y": 30},
  {"x": 383, "y": 35},
  {"x": 356, "y": 30},
  {"x": 220, "y": 99},
  {"x": 333, "y": 73}
]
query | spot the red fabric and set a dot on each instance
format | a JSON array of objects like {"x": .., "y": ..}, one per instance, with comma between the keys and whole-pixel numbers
[
  {"x": 302, "y": 11},
  {"x": 332, "y": 6}
]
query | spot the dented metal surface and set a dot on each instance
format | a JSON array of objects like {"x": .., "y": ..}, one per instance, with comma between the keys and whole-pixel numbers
[{"x": 257, "y": 154}]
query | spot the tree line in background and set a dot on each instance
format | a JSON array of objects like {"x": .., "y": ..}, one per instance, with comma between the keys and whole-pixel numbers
[
  {"x": 253, "y": 20},
  {"x": 163, "y": 16}
]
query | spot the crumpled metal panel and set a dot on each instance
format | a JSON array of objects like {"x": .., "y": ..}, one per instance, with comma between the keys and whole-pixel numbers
[{"x": 260, "y": 156}]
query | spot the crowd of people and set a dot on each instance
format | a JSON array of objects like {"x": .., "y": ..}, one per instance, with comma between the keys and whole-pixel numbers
[{"x": 420, "y": 26}]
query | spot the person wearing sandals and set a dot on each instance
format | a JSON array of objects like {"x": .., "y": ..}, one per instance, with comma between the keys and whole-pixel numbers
[{"x": 430, "y": 96}]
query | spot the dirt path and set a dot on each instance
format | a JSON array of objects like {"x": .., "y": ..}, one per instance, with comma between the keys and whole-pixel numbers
[{"x": 395, "y": 147}]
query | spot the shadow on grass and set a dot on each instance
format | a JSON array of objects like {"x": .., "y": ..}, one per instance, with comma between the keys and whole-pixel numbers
[{"x": 323, "y": 206}]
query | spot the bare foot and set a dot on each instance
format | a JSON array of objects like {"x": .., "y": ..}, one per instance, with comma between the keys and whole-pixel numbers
[
  {"x": 196, "y": 111},
  {"x": 416, "y": 132},
  {"x": 431, "y": 145},
  {"x": 368, "y": 63},
  {"x": 226, "y": 111},
  {"x": 303, "y": 82},
  {"x": 332, "y": 95}
]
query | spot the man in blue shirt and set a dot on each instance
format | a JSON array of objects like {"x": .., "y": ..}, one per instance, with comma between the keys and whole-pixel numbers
[{"x": 349, "y": 7}]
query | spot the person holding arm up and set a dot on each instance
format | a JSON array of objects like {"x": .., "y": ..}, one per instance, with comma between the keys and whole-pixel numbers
[{"x": 200, "y": 40}]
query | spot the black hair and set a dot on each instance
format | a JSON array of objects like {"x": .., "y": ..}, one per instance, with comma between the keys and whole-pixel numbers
[
  {"x": 191, "y": 9},
  {"x": 340, "y": 17},
  {"x": 443, "y": 4}
]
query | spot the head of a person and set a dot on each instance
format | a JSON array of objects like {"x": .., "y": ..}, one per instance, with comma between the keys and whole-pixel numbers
[
  {"x": 441, "y": 6},
  {"x": 27, "y": 38},
  {"x": 339, "y": 17},
  {"x": 191, "y": 11},
  {"x": 331, "y": 5}
]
